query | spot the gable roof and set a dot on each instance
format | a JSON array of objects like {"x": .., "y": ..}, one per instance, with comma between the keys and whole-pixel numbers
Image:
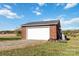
[{"x": 41, "y": 23}]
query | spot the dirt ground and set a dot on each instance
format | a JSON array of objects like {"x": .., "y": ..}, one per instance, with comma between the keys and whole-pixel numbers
[
  {"x": 7, "y": 45},
  {"x": 7, "y": 35}
]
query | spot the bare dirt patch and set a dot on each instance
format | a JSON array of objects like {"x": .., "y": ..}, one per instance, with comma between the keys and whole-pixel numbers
[
  {"x": 7, "y": 35},
  {"x": 7, "y": 45}
]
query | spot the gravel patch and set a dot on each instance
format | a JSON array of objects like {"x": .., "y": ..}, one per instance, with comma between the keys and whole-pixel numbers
[{"x": 7, "y": 45}]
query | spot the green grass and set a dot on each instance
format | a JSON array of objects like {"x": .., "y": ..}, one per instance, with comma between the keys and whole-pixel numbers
[
  {"x": 58, "y": 48},
  {"x": 70, "y": 48},
  {"x": 49, "y": 48},
  {"x": 10, "y": 38}
]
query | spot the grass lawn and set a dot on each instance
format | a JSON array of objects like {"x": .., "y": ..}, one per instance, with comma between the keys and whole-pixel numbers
[
  {"x": 69, "y": 48},
  {"x": 10, "y": 38}
]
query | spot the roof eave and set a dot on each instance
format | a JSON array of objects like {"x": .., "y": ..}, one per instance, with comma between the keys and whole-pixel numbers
[{"x": 38, "y": 25}]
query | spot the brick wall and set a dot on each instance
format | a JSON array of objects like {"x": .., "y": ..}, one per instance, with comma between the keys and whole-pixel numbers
[
  {"x": 23, "y": 32},
  {"x": 53, "y": 32}
]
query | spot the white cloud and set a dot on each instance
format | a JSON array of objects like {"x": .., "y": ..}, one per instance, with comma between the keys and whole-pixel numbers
[
  {"x": 37, "y": 9},
  {"x": 9, "y": 14},
  {"x": 41, "y": 4},
  {"x": 70, "y": 5},
  {"x": 70, "y": 28},
  {"x": 37, "y": 12},
  {"x": 67, "y": 24},
  {"x": 7, "y": 6},
  {"x": 67, "y": 6},
  {"x": 59, "y": 4},
  {"x": 70, "y": 23}
]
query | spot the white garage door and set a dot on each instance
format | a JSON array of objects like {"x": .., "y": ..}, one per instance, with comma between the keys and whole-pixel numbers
[{"x": 38, "y": 33}]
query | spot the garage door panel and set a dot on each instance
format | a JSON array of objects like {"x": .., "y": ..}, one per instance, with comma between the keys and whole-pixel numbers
[{"x": 38, "y": 33}]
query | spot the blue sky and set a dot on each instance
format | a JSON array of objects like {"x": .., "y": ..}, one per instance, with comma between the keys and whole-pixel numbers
[{"x": 12, "y": 15}]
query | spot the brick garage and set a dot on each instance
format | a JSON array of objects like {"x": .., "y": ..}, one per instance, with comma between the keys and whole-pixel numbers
[{"x": 42, "y": 30}]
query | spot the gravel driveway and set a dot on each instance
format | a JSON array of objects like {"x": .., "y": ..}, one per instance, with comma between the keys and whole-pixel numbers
[{"x": 7, "y": 45}]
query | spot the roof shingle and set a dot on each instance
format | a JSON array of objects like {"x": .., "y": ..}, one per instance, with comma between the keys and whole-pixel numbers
[{"x": 40, "y": 23}]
